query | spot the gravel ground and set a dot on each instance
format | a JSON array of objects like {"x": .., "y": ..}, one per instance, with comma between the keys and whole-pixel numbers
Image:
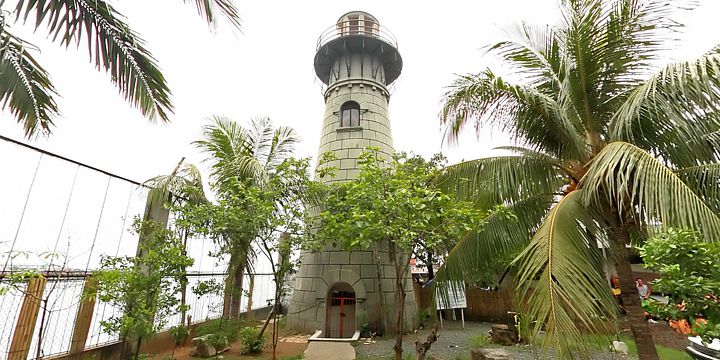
[{"x": 454, "y": 343}]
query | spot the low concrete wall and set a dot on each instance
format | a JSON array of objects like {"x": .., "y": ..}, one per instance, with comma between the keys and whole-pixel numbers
[{"x": 160, "y": 343}]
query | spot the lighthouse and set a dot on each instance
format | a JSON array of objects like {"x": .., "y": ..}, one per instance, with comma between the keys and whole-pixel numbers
[{"x": 337, "y": 291}]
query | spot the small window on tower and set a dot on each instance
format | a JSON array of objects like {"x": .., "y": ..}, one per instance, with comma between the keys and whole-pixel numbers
[{"x": 350, "y": 114}]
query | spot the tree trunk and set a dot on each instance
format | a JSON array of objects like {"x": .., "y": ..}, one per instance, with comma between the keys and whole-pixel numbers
[
  {"x": 236, "y": 295},
  {"x": 399, "y": 301},
  {"x": 381, "y": 309},
  {"x": 635, "y": 313},
  {"x": 267, "y": 321},
  {"x": 423, "y": 348},
  {"x": 227, "y": 292},
  {"x": 183, "y": 285},
  {"x": 431, "y": 270},
  {"x": 234, "y": 266},
  {"x": 273, "y": 312},
  {"x": 250, "y": 315}
]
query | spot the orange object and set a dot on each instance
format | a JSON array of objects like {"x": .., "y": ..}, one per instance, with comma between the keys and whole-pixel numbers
[{"x": 680, "y": 326}]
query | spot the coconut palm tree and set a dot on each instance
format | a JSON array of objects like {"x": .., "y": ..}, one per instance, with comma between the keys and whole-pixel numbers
[
  {"x": 611, "y": 146},
  {"x": 25, "y": 86},
  {"x": 241, "y": 157}
]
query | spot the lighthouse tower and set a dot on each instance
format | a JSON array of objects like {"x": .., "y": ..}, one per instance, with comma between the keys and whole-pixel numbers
[{"x": 338, "y": 291}]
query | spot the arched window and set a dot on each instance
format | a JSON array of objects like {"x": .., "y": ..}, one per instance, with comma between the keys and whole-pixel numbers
[{"x": 350, "y": 114}]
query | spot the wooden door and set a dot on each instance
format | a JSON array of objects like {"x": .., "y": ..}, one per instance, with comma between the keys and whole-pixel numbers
[{"x": 340, "y": 318}]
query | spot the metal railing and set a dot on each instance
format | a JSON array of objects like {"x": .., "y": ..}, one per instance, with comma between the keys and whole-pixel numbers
[{"x": 349, "y": 28}]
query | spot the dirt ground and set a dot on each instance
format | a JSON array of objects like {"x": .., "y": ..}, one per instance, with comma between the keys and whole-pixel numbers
[
  {"x": 454, "y": 343},
  {"x": 288, "y": 347}
]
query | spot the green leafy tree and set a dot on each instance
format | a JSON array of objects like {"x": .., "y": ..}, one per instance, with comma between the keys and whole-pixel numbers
[
  {"x": 143, "y": 288},
  {"x": 610, "y": 143},
  {"x": 244, "y": 161},
  {"x": 25, "y": 86},
  {"x": 183, "y": 185},
  {"x": 690, "y": 275},
  {"x": 394, "y": 203}
]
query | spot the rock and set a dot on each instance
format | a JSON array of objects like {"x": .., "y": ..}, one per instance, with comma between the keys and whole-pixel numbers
[
  {"x": 619, "y": 346},
  {"x": 489, "y": 354},
  {"x": 204, "y": 349},
  {"x": 501, "y": 334}
]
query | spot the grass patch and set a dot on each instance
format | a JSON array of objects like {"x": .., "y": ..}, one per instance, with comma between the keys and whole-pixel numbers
[
  {"x": 481, "y": 341},
  {"x": 603, "y": 343}
]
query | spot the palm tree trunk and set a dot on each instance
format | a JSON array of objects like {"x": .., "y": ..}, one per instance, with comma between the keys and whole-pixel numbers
[
  {"x": 250, "y": 315},
  {"x": 227, "y": 292},
  {"x": 236, "y": 295},
  {"x": 635, "y": 313}
]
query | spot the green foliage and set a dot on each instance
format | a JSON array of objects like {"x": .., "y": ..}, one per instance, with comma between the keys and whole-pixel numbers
[
  {"x": 260, "y": 193},
  {"x": 112, "y": 45},
  {"x": 228, "y": 328},
  {"x": 218, "y": 341},
  {"x": 395, "y": 203},
  {"x": 707, "y": 330},
  {"x": 179, "y": 333},
  {"x": 608, "y": 139},
  {"x": 394, "y": 200},
  {"x": 690, "y": 269},
  {"x": 480, "y": 341},
  {"x": 424, "y": 318},
  {"x": 251, "y": 340},
  {"x": 144, "y": 288}
]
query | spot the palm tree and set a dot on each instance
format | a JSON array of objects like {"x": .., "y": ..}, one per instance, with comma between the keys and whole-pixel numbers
[
  {"x": 183, "y": 185},
  {"x": 241, "y": 157},
  {"x": 612, "y": 147},
  {"x": 25, "y": 86}
]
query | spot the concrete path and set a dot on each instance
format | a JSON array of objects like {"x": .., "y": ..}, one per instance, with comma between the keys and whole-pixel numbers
[{"x": 326, "y": 350}]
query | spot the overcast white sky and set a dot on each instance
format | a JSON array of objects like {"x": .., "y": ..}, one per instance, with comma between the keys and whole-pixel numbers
[{"x": 267, "y": 71}]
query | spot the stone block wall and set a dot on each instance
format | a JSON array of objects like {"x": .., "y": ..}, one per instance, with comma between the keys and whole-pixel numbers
[{"x": 321, "y": 270}]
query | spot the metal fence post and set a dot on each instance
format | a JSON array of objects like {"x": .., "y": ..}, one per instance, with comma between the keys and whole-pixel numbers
[{"x": 25, "y": 326}]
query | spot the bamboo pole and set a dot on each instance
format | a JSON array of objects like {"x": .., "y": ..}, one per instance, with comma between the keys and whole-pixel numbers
[{"x": 25, "y": 326}]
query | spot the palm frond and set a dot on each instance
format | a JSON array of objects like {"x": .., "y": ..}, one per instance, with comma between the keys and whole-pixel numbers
[
  {"x": 111, "y": 44},
  {"x": 502, "y": 179},
  {"x": 245, "y": 154},
  {"x": 282, "y": 145},
  {"x": 533, "y": 54},
  {"x": 560, "y": 279},
  {"x": 501, "y": 235},
  {"x": 676, "y": 106},
  {"x": 531, "y": 117},
  {"x": 25, "y": 87},
  {"x": 705, "y": 180},
  {"x": 230, "y": 151},
  {"x": 208, "y": 8},
  {"x": 633, "y": 181},
  {"x": 185, "y": 184}
]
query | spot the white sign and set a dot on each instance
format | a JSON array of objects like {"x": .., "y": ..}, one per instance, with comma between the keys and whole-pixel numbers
[{"x": 453, "y": 299}]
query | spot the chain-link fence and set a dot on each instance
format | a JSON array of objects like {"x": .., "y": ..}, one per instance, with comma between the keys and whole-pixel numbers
[{"x": 58, "y": 217}]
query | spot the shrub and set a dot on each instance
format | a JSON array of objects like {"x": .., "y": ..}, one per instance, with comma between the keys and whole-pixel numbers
[
  {"x": 251, "y": 342},
  {"x": 179, "y": 333},
  {"x": 227, "y": 328},
  {"x": 424, "y": 318},
  {"x": 218, "y": 341}
]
